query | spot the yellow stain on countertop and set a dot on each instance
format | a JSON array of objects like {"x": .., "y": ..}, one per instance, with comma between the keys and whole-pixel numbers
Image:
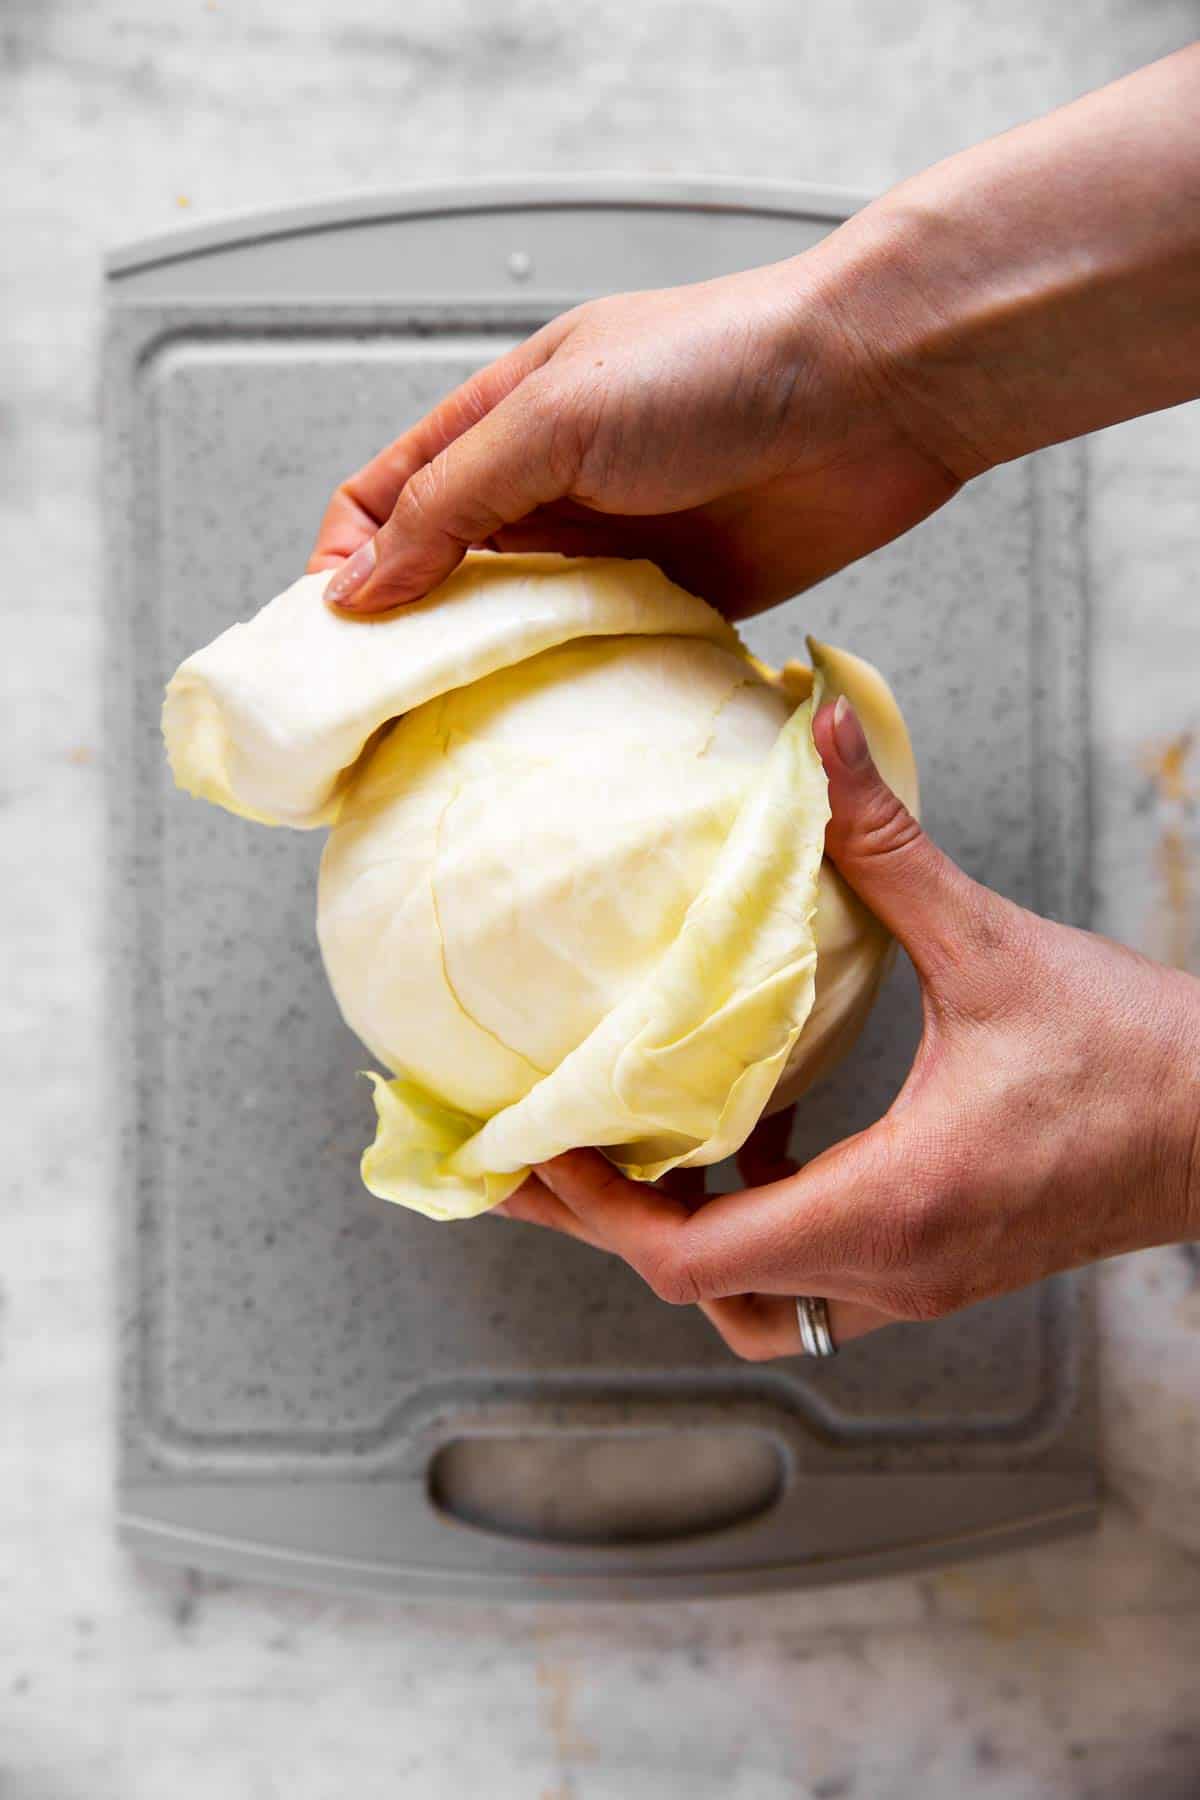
[
  {"x": 557, "y": 1683},
  {"x": 1169, "y": 766},
  {"x": 1005, "y": 1604}
]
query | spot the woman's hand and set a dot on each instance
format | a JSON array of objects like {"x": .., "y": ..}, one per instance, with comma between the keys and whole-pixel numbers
[
  {"x": 755, "y": 433},
  {"x": 732, "y": 432},
  {"x": 1051, "y": 1117}
]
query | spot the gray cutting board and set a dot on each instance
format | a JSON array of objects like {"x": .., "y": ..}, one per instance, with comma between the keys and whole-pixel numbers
[{"x": 322, "y": 1388}]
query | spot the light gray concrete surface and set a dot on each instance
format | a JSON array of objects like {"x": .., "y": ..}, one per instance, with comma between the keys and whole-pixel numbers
[{"x": 1068, "y": 1671}]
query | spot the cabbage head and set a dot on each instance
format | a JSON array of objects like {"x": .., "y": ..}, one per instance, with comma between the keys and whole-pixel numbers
[{"x": 574, "y": 890}]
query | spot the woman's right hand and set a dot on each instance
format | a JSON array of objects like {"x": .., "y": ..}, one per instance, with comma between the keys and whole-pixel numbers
[
  {"x": 755, "y": 433},
  {"x": 733, "y": 432},
  {"x": 1051, "y": 1117}
]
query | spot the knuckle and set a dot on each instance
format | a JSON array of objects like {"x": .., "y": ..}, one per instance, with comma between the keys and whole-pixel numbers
[
  {"x": 431, "y": 504},
  {"x": 470, "y": 403},
  {"x": 576, "y": 318},
  {"x": 669, "y": 1269},
  {"x": 885, "y": 826},
  {"x": 420, "y": 499}
]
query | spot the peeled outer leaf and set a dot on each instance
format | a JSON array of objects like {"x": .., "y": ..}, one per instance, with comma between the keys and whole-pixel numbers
[
  {"x": 855, "y": 950},
  {"x": 875, "y": 704},
  {"x": 269, "y": 720}
]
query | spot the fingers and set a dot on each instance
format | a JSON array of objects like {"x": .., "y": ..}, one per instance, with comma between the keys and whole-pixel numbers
[
  {"x": 936, "y": 911},
  {"x": 403, "y": 521},
  {"x": 761, "y": 1327},
  {"x": 346, "y": 526},
  {"x": 507, "y": 464},
  {"x": 756, "y": 1327},
  {"x": 827, "y": 1230},
  {"x": 366, "y": 498},
  {"x": 824, "y": 1230},
  {"x": 631, "y": 1218},
  {"x": 534, "y": 1204}
]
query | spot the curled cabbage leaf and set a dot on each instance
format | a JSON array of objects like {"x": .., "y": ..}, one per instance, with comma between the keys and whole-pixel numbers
[{"x": 574, "y": 890}]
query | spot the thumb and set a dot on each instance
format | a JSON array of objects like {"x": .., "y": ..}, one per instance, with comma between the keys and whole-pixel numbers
[
  {"x": 923, "y": 898},
  {"x": 494, "y": 474}
]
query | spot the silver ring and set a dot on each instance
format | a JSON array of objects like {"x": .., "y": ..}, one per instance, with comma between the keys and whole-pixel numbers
[{"x": 812, "y": 1315}]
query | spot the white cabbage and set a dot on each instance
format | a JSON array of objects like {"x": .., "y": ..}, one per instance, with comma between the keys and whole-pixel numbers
[{"x": 574, "y": 890}]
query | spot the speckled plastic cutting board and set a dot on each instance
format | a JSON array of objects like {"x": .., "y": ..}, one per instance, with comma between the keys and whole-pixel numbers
[{"x": 318, "y": 1387}]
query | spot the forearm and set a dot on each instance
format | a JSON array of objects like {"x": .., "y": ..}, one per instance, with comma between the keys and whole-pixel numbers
[
  {"x": 1183, "y": 1143},
  {"x": 1041, "y": 285}
]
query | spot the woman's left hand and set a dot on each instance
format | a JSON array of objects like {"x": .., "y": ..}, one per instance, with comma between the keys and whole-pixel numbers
[{"x": 1051, "y": 1117}]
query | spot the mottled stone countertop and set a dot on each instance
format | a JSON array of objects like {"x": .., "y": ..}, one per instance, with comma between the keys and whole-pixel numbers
[{"x": 1071, "y": 1670}]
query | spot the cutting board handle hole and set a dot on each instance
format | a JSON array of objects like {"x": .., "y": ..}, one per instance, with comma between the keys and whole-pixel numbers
[{"x": 607, "y": 1488}]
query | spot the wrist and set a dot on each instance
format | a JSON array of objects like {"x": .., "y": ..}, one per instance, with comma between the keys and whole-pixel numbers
[
  {"x": 1182, "y": 1122},
  {"x": 913, "y": 300},
  {"x": 1042, "y": 285},
  {"x": 1161, "y": 1101}
]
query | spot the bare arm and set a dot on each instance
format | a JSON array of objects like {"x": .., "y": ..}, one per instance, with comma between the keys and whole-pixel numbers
[
  {"x": 1042, "y": 285},
  {"x": 755, "y": 433}
]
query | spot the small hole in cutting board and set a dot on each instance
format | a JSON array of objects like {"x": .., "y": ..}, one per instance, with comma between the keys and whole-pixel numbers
[{"x": 607, "y": 1488}]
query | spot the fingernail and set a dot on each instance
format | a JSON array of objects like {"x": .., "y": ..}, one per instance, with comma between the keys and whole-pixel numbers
[
  {"x": 354, "y": 573},
  {"x": 849, "y": 735}
]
